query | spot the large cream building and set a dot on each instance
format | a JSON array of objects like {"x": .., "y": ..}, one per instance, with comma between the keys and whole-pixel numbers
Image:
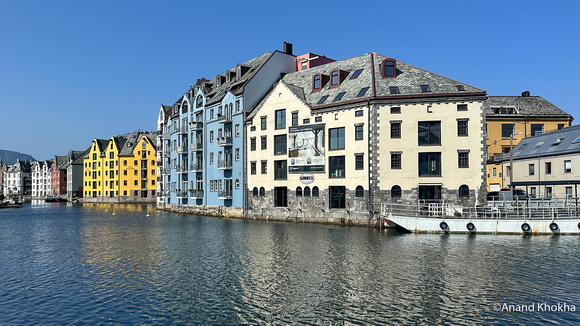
[{"x": 336, "y": 141}]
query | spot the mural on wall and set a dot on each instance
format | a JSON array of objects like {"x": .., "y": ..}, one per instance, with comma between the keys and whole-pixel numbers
[{"x": 306, "y": 148}]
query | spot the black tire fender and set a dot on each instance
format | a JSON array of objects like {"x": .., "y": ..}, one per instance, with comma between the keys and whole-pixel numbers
[{"x": 526, "y": 227}]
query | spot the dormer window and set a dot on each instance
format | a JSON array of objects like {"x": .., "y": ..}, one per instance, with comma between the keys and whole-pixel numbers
[
  {"x": 334, "y": 78},
  {"x": 228, "y": 78},
  {"x": 460, "y": 88},
  {"x": 389, "y": 68},
  {"x": 316, "y": 83},
  {"x": 425, "y": 89},
  {"x": 394, "y": 89}
]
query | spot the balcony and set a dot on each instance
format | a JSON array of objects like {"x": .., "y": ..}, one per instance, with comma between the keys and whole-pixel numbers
[
  {"x": 166, "y": 171},
  {"x": 166, "y": 193},
  {"x": 181, "y": 168},
  {"x": 181, "y": 149},
  {"x": 197, "y": 147},
  {"x": 193, "y": 193},
  {"x": 182, "y": 130},
  {"x": 181, "y": 193},
  {"x": 196, "y": 126},
  {"x": 196, "y": 167},
  {"x": 225, "y": 194},
  {"x": 166, "y": 135},
  {"x": 224, "y": 118},
  {"x": 225, "y": 164},
  {"x": 225, "y": 141}
]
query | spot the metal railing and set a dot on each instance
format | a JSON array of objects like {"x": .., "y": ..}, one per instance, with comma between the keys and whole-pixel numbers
[{"x": 225, "y": 141}]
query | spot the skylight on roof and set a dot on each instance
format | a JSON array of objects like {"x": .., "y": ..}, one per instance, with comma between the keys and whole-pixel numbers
[
  {"x": 339, "y": 96},
  {"x": 425, "y": 88},
  {"x": 523, "y": 146},
  {"x": 460, "y": 88},
  {"x": 577, "y": 140},
  {"x": 394, "y": 89},
  {"x": 322, "y": 99},
  {"x": 356, "y": 73},
  {"x": 539, "y": 144},
  {"x": 362, "y": 92},
  {"x": 558, "y": 141}
]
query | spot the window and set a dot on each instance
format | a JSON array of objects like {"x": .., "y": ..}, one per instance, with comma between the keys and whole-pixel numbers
[
  {"x": 548, "y": 167},
  {"x": 298, "y": 191},
  {"x": 280, "y": 170},
  {"x": 316, "y": 82},
  {"x": 395, "y": 129},
  {"x": 336, "y": 139},
  {"x": 211, "y": 136},
  {"x": 531, "y": 169},
  {"x": 237, "y": 105},
  {"x": 358, "y": 113},
  {"x": 306, "y": 121},
  {"x": 306, "y": 191},
  {"x": 567, "y": 166},
  {"x": 507, "y": 130},
  {"x": 460, "y": 88},
  {"x": 294, "y": 118},
  {"x": 560, "y": 126},
  {"x": 362, "y": 92},
  {"x": 356, "y": 73},
  {"x": 210, "y": 158},
  {"x": 463, "y": 159},
  {"x": 253, "y": 143},
  {"x": 394, "y": 90},
  {"x": 280, "y": 119},
  {"x": 389, "y": 68},
  {"x": 548, "y": 192},
  {"x": 334, "y": 78},
  {"x": 263, "y": 123},
  {"x": 462, "y": 126},
  {"x": 358, "y": 132},
  {"x": 339, "y": 96},
  {"x": 360, "y": 191},
  {"x": 262, "y": 192},
  {"x": 396, "y": 160},
  {"x": 533, "y": 192},
  {"x": 264, "y": 167},
  {"x": 568, "y": 192},
  {"x": 263, "y": 142},
  {"x": 336, "y": 167},
  {"x": 537, "y": 129},
  {"x": 255, "y": 192},
  {"x": 464, "y": 191},
  {"x": 337, "y": 197},
  {"x": 429, "y": 164},
  {"x": 315, "y": 191},
  {"x": 237, "y": 154},
  {"x": 253, "y": 168},
  {"x": 280, "y": 144},
  {"x": 322, "y": 99},
  {"x": 303, "y": 65},
  {"x": 318, "y": 119},
  {"x": 359, "y": 163},
  {"x": 429, "y": 132},
  {"x": 425, "y": 89},
  {"x": 461, "y": 107},
  {"x": 396, "y": 191},
  {"x": 237, "y": 130},
  {"x": 396, "y": 110}
]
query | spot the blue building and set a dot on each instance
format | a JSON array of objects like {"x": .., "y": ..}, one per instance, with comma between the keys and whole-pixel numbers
[{"x": 201, "y": 136}]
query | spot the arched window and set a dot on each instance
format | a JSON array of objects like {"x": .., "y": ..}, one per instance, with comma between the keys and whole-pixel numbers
[
  {"x": 334, "y": 78},
  {"x": 316, "y": 82},
  {"x": 315, "y": 192},
  {"x": 464, "y": 191},
  {"x": 396, "y": 192},
  {"x": 306, "y": 191},
  {"x": 360, "y": 192},
  {"x": 255, "y": 192},
  {"x": 262, "y": 192},
  {"x": 298, "y": 192},
  {"x": 389, "y": 68},
  {"x": 199, "y": 101}
]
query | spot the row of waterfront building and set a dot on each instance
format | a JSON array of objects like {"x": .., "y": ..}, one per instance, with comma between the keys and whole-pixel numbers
[{"x": 310, "y": 138}]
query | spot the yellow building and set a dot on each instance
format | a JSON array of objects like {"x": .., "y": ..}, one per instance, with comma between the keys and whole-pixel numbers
[
  {"x": 518, "y": 117},
  {"x": 121, "y": 169}
]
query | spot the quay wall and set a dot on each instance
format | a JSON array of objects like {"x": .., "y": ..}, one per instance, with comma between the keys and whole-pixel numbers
[{"x": 118, "y": 200}]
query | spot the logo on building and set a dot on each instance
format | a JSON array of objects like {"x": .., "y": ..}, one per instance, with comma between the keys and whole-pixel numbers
[{"x": 307, "y": 178}]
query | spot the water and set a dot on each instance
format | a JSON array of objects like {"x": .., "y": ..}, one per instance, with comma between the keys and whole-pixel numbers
[{"x": 72, "y": 265}]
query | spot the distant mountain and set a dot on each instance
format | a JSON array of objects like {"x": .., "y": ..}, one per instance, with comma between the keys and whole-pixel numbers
[{"x": 10, "y": 157}]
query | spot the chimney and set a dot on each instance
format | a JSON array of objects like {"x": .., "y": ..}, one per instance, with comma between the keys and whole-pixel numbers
[
  {"x": 288, "y": 48},
  {"x": 526, "y": 94}
]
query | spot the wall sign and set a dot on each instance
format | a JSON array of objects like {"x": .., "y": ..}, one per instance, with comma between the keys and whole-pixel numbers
[{"x": 307, "y": 178}]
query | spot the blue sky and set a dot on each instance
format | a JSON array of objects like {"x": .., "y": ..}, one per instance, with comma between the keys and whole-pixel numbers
[{"x": 71, "y": 71}]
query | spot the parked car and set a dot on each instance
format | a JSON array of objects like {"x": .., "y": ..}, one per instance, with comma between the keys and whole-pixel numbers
[{"x": 506, "y": 195}]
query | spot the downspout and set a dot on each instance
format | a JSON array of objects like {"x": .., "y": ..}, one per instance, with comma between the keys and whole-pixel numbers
[{"x": 370, "y": 145}]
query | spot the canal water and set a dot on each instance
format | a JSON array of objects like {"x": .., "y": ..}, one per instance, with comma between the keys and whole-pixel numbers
[{"x": 100, "y": 264}]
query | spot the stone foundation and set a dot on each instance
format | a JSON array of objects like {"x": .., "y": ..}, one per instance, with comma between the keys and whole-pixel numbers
[{"x": 215, "y": 211}]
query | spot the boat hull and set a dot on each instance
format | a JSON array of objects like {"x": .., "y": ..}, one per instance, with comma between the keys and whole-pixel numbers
[{"x": 485, "y": 226}]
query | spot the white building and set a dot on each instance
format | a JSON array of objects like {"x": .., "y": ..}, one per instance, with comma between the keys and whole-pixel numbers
[{"x": 40, "y": 172}]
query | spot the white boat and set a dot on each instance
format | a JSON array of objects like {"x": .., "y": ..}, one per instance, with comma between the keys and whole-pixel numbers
[{"x": 542, "y": 216}]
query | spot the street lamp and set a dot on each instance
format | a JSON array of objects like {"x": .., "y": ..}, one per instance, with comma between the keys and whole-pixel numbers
[{"x": 512, "y": 160}]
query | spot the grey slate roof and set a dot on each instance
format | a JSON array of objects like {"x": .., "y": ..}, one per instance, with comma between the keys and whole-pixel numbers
[
  {"x": 408, "y": 79},
  {"x": 563, "y": 141},
  {"x": 526, "y": 106}
]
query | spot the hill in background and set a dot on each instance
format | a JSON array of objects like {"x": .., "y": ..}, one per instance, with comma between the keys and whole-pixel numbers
[{"x": 10, "y": 157}]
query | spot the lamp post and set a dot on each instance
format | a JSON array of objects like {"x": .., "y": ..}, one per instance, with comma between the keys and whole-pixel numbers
[{"x": 512, "y": 160}]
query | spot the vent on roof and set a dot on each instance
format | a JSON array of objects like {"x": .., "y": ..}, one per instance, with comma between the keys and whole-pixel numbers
[
  {"x": 526, "y": 94},
  {"x": 558, "y": 141}
]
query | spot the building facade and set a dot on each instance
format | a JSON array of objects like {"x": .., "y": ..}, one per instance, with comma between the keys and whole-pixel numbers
[
  {"x": 74, "y": 173},
  {"x": 58, "y": 176},
  {"x": 121, "y": 169},
  {"x": 41, "y": 179},
  {"x": 18, "y": 179},
  {"x": 201, "y": 134},
  {"x": 546, "y": 165},
  {"x": 335, "y": 141},
  {"x": 509, "y": 119}
]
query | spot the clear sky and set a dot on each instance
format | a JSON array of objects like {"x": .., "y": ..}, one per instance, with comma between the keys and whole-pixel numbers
[{"x": 75, "y": 70}]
